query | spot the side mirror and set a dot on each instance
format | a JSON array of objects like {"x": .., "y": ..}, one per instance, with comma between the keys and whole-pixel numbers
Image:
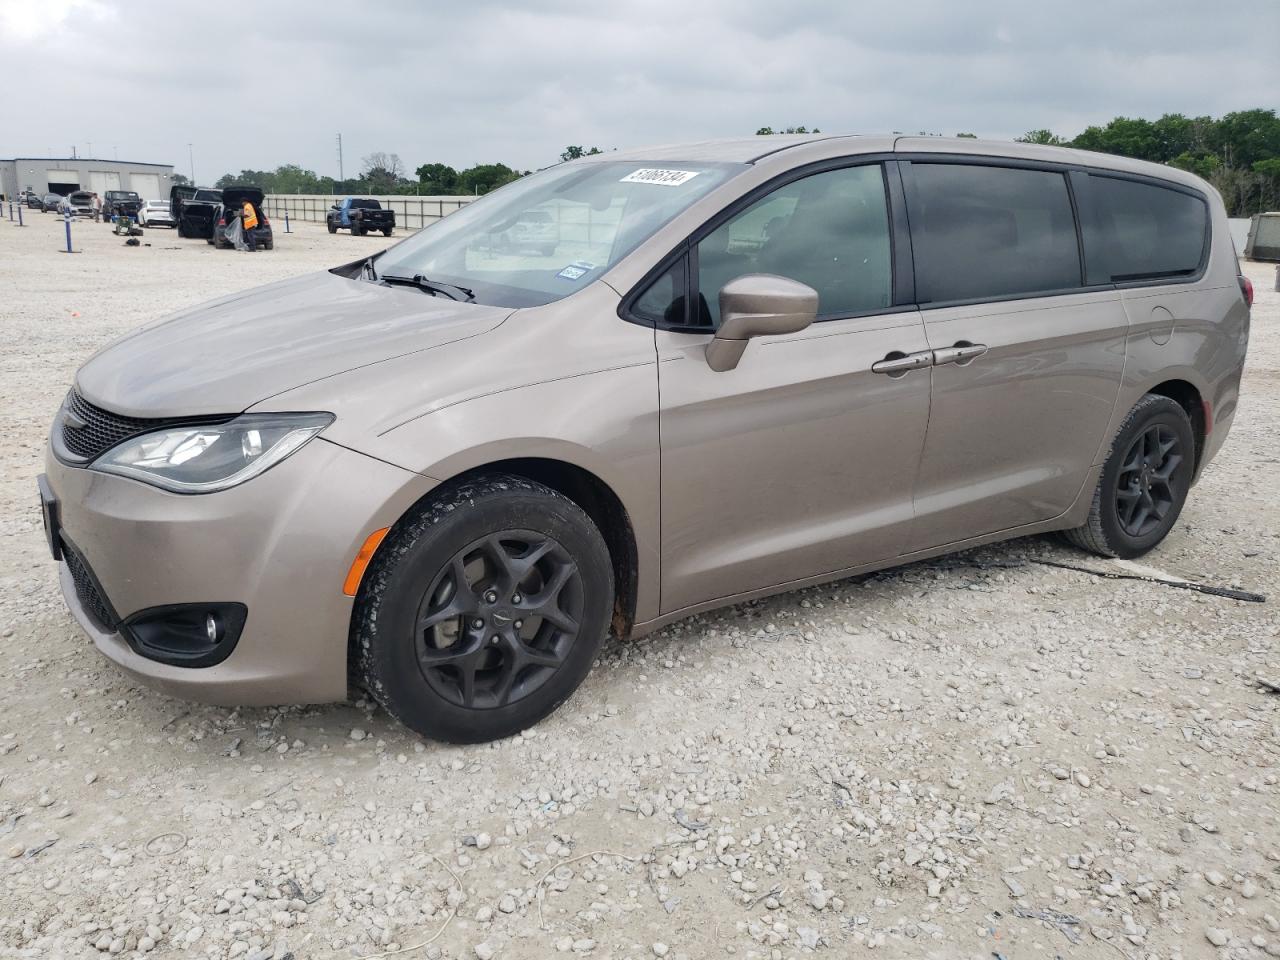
[{"x": 758, "y": 305}]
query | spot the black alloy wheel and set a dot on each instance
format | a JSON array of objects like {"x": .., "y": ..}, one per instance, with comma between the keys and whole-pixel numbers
[
  {"x": 483, "y": 609},
  {"x": 1144, "y": 481},
  {"x": 1146, "y": 489},
  {"x": 499, "y": 619}
]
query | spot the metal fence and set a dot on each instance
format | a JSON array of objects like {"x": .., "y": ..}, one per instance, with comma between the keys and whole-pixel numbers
[{"x": 412, "y": 213}]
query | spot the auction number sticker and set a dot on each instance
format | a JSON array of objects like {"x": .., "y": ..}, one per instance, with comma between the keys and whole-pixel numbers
[
  {"x": 576, "y": 270},
  {"x": 661, "y": 178}
]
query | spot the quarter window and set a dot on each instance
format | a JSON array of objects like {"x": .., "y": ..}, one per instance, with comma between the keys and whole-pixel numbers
[
  {"x": 829, "y": 230},
  {"x": 986, "y": 232},
  {"x": 1140, "y": 231},
  {"x": 662, "y": 302}
]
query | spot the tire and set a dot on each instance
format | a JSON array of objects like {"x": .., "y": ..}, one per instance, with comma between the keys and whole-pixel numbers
[
  {"x": 386, "y": 231},
  {"x": 269, "y": 245},
  {"x": 1144, "y": 482},
  {"x": 406, "y": 665},
  {"x": 333, "y": 227}
]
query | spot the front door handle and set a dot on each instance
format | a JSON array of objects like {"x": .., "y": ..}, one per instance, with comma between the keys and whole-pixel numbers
[
  {"x": 897, "y": 363},
  {"x": 961, "y": 353}
]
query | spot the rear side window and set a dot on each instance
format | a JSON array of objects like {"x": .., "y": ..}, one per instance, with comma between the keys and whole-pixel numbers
[
  {"x": 1141, "y": 231},
  {"x": 986, "y": 232}
]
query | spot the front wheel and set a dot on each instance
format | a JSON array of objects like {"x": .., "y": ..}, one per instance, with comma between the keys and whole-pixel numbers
[
  {"x": 1144, "y": 482},
  {"x": 333, "y": 227},
  {"x": 483, "y": 610}
]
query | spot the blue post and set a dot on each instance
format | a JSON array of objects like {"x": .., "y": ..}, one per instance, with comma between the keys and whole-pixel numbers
[
  {"x": 20, "y": 223},
  {"x": 286, "y": 220},
  {"x": 67, "y": 219}
]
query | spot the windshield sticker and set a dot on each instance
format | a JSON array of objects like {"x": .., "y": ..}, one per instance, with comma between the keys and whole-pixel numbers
[
  {"x": 662, "y": 178},
  {"x": 576, "y": 270}
]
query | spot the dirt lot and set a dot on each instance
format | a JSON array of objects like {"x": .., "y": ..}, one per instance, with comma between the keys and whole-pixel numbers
[{"x": 975, "y": 757}]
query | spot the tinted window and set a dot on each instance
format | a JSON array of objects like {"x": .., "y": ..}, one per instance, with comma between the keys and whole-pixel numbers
[
  {"x": 988, "y": 232},
  {"x": 365, "y": 205},
  {"x": 663, "y": 301},
  {"x": 1139, "y": 230},
  {"x": 830, "y": 231}
]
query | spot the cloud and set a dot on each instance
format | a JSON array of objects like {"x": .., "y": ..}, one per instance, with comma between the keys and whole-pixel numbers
[{"x": 255, "y": 84}]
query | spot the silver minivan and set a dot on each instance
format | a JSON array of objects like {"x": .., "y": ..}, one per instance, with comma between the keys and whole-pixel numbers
[{"x": 445, "y": 473}]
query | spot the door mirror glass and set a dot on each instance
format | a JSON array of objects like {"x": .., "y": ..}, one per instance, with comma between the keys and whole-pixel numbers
[{"x": 758, "y": 305}]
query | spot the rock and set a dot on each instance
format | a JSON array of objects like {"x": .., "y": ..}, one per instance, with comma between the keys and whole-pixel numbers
[
  {"x": 484, "y": 951},
  {"x": 508, "y": 904},
  {"x": 358, "y": 734},
  {"x": 585, "y": 945},
  {"x": 660, "y": 949},
  {"x": 483, "y": 841},
  {"x": 1217, "y": 936}
]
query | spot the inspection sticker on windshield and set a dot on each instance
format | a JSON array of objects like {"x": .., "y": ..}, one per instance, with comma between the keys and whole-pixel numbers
[
  {"x": 576, "y": 270},
  {"x": 662, "y": 178}
]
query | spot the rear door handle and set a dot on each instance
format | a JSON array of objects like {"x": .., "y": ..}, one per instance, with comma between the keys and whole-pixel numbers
[
  {"x": 961, "y": 353},
  {"x": 896, "y": 363}
]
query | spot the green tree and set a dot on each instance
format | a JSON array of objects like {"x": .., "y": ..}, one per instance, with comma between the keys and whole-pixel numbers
[
  {"x": 573, "y": 153},
  {"x": 484, "y": 177},
  {"x": 1202, "y": 165},
  {"x": 967, "y": 136},
  {"x": 1047, "y": 137},
  {"x": 769, "y": 131},
  {"x": 181, "y": 180},
  {"x": 437, "y": 178},
  {"x": 1245, "y": 137}
]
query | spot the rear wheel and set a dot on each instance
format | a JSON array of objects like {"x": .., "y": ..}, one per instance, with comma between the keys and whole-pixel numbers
[
  {"x": 333, "y": 227},
  {"x": 386, "y": 231},
  {"x": 1144, "y": 482},
  {"x": 484, "y": 610}
]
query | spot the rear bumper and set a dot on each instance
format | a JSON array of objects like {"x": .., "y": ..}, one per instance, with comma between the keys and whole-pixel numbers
[{"x": 280, "y": 545}]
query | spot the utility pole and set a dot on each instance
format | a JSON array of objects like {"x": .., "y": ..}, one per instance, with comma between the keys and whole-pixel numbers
[
  {"x": 341, "y": 175},
  {"x": 192, "y": 158}
]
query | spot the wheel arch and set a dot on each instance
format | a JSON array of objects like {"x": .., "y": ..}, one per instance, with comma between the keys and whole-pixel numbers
[
  {"x": 1186, "y": 395},
  {"x": 596, "y": 498}
]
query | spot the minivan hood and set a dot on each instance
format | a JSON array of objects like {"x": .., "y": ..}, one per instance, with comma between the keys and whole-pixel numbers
[{"x": 225, "y": 356}]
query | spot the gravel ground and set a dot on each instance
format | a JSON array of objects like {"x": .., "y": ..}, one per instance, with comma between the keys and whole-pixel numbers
[{"x": 975, "y": 757}]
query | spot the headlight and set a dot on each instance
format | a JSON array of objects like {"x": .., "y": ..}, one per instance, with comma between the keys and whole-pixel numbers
[{"x": 203, "y": 459}]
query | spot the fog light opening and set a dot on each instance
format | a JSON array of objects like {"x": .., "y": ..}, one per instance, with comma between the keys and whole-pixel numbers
[{"x": 212, "y": 629}]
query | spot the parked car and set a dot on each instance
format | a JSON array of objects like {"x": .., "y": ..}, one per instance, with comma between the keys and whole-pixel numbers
[
  {"x": 195, "y": 209},
  {"x": 534, "y": 230},
  {"x": 120, "y": 202},
  {"x": 232, "y": 200},
  {"x": 360, "y": 215},
  {"x": 449, "y": 475},
  {"x": 156, "y": 213},
  {"x": 80, "y": 203},
  {"x": 35, "y": 201},
  {"x": 50, "y": 203}
]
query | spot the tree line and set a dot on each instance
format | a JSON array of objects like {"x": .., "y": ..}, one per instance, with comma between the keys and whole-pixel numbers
[{"x": 1239, "y": 153}]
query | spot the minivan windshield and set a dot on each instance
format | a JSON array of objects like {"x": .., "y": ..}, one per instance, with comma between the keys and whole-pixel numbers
[{"x": 551, "y": 233}]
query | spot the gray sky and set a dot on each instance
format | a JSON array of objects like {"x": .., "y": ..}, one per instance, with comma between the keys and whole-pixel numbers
[{"x": 257, "y": 84}]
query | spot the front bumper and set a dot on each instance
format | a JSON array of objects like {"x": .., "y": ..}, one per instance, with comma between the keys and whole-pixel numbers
[{"x": 280, "y": 544}]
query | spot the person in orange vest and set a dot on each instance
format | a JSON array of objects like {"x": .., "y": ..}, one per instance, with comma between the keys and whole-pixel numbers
[{"x": 248, "y": 220}]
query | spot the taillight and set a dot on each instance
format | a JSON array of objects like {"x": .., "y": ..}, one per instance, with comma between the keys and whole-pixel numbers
[
  {"x": 1246, "y": 287},
  {"x": 266, "y": 221},
  {"x": 222, "y": 221}
]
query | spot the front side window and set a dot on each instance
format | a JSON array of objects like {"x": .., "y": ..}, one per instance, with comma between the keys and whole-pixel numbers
[
  {"x": 829, "y": 230},
  {"x": 982, "y": 232},
  {"x": 551, "y": 233},
  {"x": 1141, "y": 231}
]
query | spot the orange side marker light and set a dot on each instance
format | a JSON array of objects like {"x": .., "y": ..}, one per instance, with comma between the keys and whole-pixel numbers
[{"x": 363, "y": 556}]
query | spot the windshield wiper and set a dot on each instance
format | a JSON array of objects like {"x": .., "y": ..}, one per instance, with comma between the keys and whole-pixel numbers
[{"x": 433, "y": 287}]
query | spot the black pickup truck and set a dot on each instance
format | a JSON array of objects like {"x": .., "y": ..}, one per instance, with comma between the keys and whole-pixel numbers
[
  {"x": 120, "y": 203},
  {"x": 361, "y": 216}
]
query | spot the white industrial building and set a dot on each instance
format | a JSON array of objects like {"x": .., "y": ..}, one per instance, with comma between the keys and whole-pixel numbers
[{"x": 151, "y": 181}]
